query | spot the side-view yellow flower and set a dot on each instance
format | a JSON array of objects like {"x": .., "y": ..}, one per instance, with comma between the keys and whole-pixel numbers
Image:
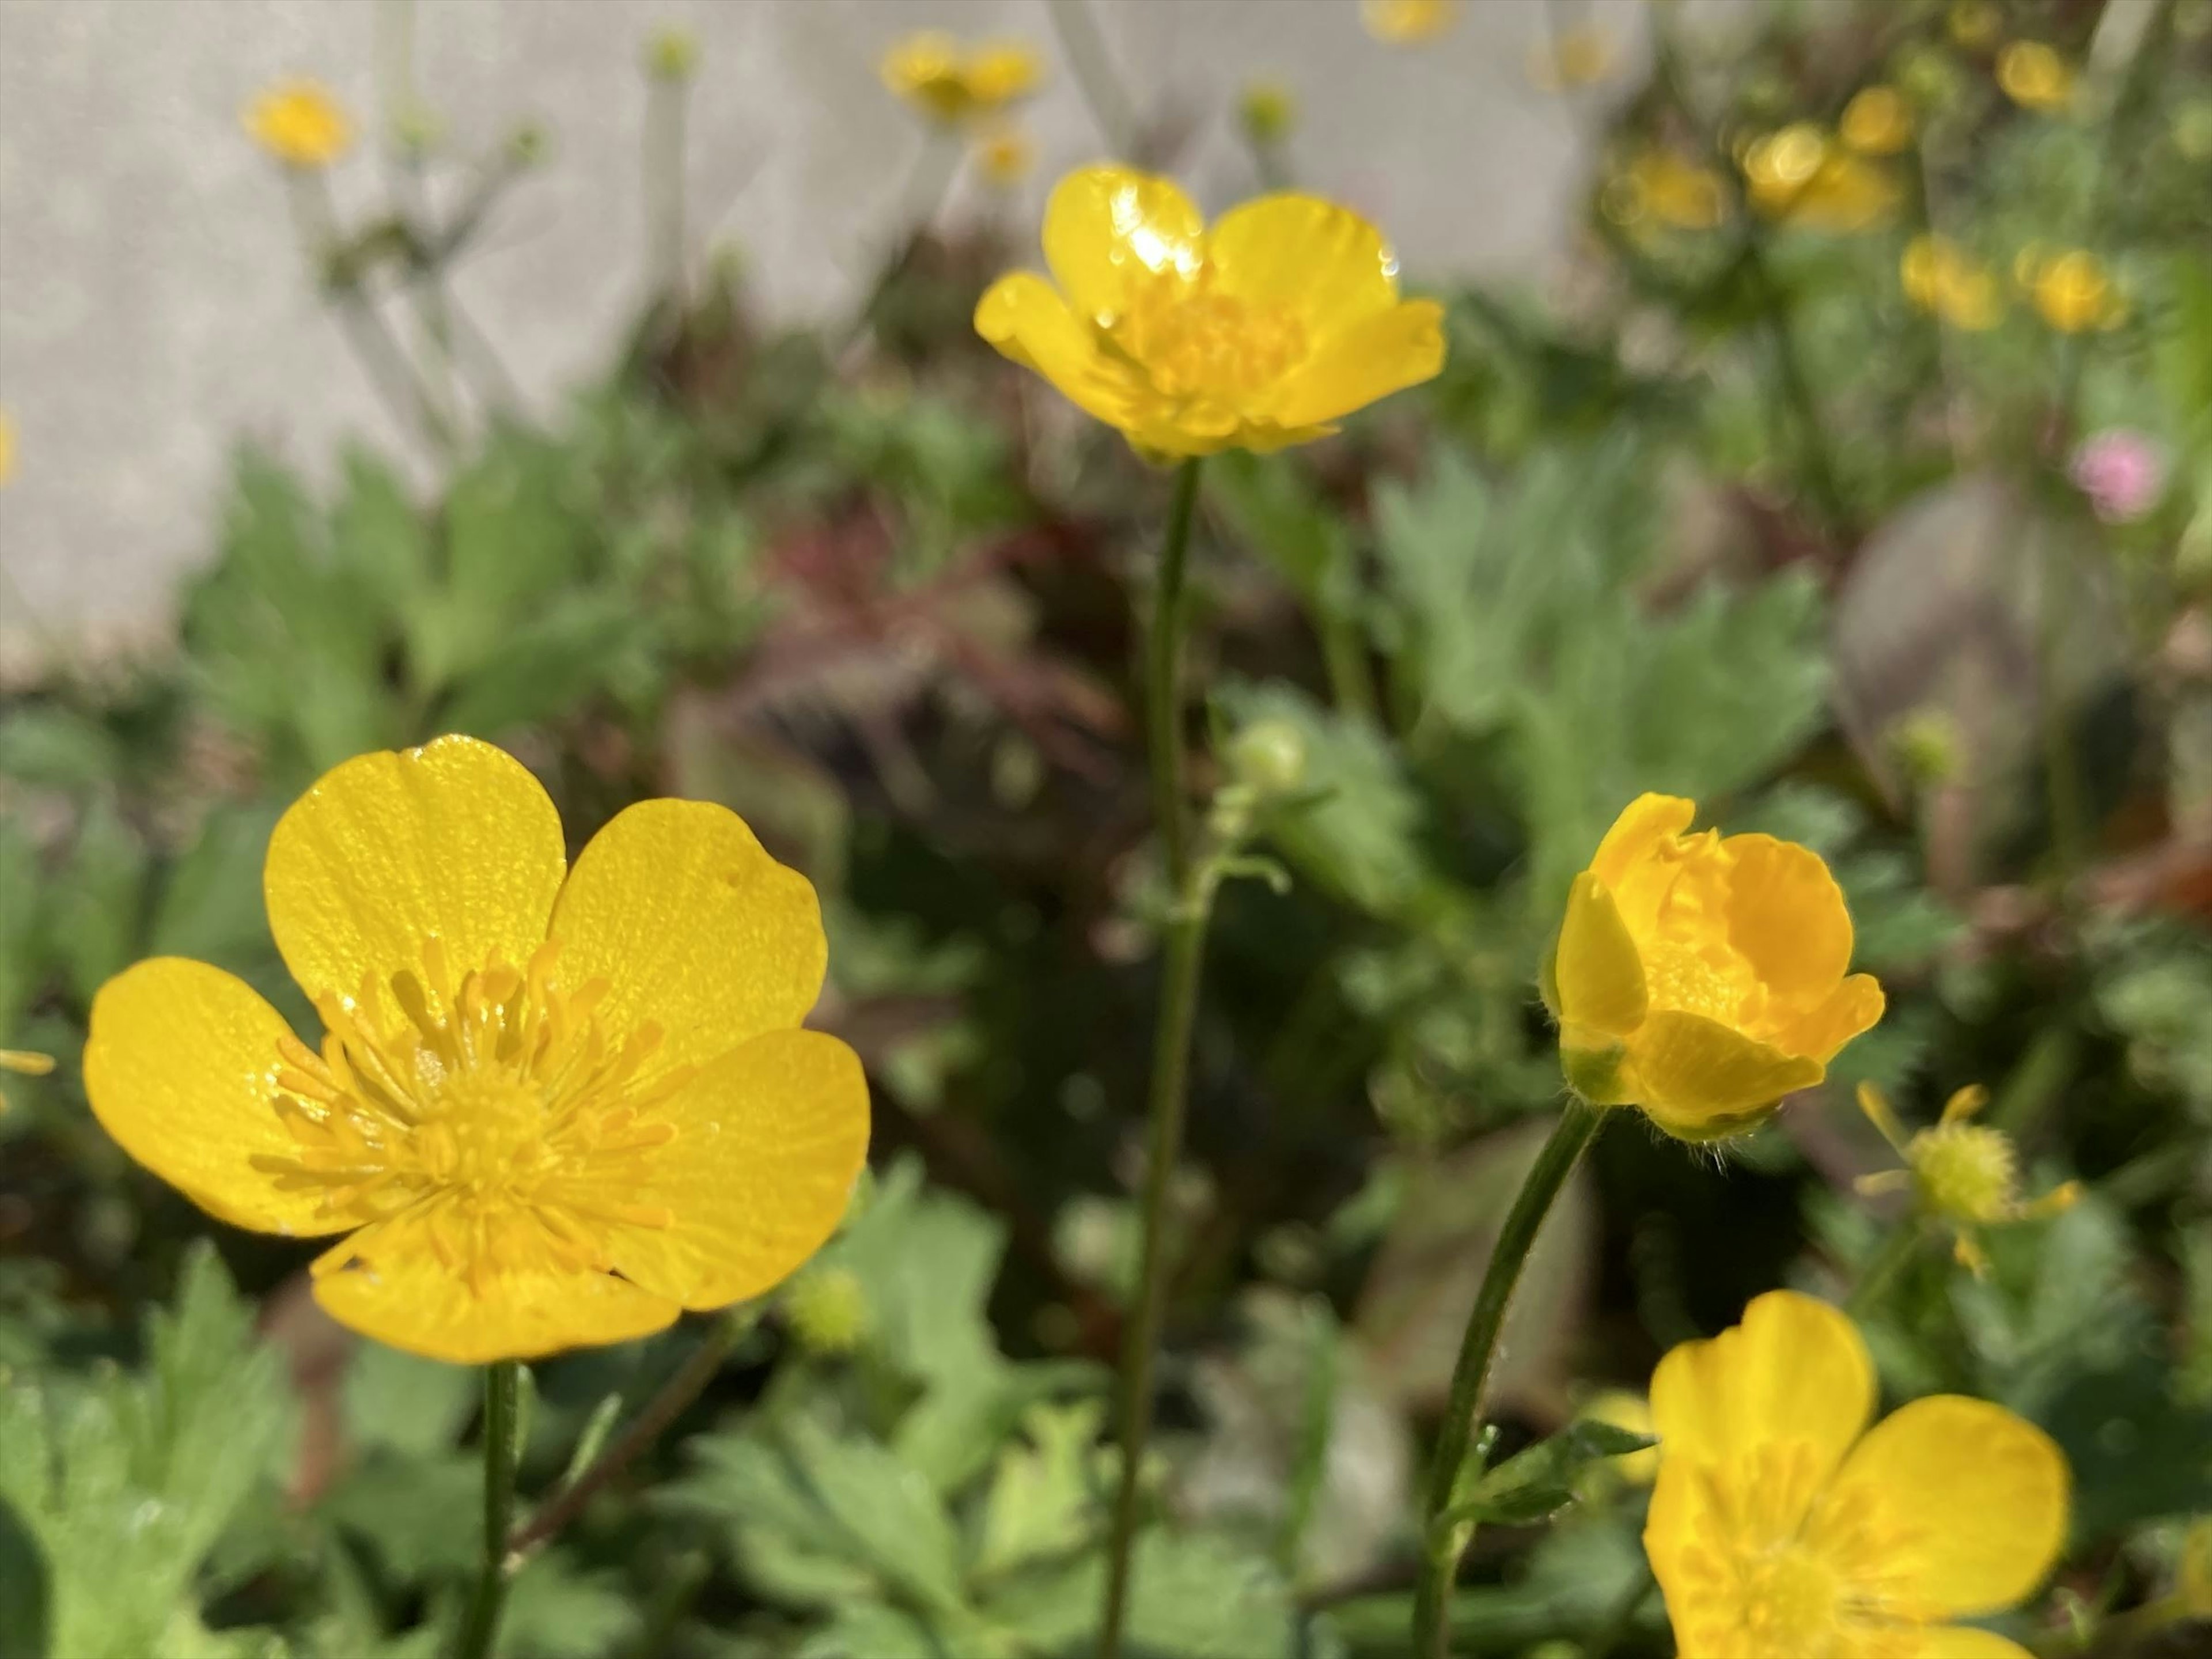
[
  {"x": 1941, "y": 277},
  {"x": 552, "y": 1106},
  {"x": 1783, "y": 1525},
  {"x": 1802, "y": 177},
  {"x": 2072, "y": 291},
  {"x": 1878, "y": 121},
  {"x": 1963, "y": 1173},
  {"x": 1262, "y": 332},
  {"x": 1003, "y": 155},
  {"x": 1409, "y": 23},
  {"x": 2034, "y": 77},
  {"x": 23, "y": 1063},
  {"x": 1659, "y": 186},
  {"x": 1702, "y": 978},
  {"x": 301, "y": 123},
  {"x": 951, "y": 84}
]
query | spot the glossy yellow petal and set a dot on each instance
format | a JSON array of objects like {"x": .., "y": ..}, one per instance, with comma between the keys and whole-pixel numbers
[
  {"x": 454, "y": 840},
  {"x": 399, "y": 1292},
  {"x": 770, "y": 1140},
  {"x": 1852, "y": 1007},
  {"x": 1028, "y": 320},
  {"x": 1697, "y": 1079},
  {"x": 694, "y": 928},
  {"x": 1786, "y": 916},
  {"x": 1321, "y": 263},
  {"x": 1384, "y": 352},
  {"x": 1791, "y": 1385},
  {"x": 1105, "y": 225},
  {"x": 1965, "y": 1641},
  {"x": 1643, "y": 825},
  {"x": 1979, "y": 1495},
  {"x": 1597, "y": 972},
  {"x": 180, "y": 1068}
]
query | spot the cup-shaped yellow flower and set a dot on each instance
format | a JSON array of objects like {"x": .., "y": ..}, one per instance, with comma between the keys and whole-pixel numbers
[
  {"x": 1878, "y": 121},
  {"x": 1783, "y": 1525},
  {"x": 2072, "y": 291},
  {"x": 1260, "y": 331},
  {"x": 1941, "y": 277},
  {"x": 1965, "y": 1176},
  {"x": 951, "y": 84},
  {"x": 301, "y": 123},
  {"x": 1658, "y": 186},
  {"x": 1409, "y": 22},
  {"x": 2034, "y": 77},
  {"x": 552, "y": 1106},
  {"x": 1702, "y": 978},
  {"x": 1800, "y": 176}
]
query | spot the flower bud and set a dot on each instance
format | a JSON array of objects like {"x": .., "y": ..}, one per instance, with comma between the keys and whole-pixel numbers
[
  {"x": 1268, "y": 112},
  {"x": 672, "y": 54},
  {"x": 827, "y": 1310},
  {"x": 1269, "y": 757}
]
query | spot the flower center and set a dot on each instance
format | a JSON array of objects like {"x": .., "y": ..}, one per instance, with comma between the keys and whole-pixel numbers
[
  {"x": 1966, "y": 1171},
  {"x": 1195, "y": 342},
  {"x": 497, "y": 1114}
]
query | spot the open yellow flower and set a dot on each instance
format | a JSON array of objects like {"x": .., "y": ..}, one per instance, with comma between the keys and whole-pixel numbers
[
  {"x": 1579, "y": 57},
  {"x": 301, "y": 123},
  {"x": 1940, "y": 277},
  {"x": 952, "y": 84},
  {"x": 1802, "y": 177},
  {"x": 1703, "y": 979},
  {"x": 552, "y": 1106},
  {"x": 2072, "y": 290},
  {"x": 2034, "y": 77},
  {"x": 1409, "y": 23},
  {"x": 1964, "y": 1175},
  {"x": 1878, "y": 121},
  {"x": 1659, "y": 186},
  {"x": 1260, "y": 331},
  {"x": 1783, "y": 1527}
]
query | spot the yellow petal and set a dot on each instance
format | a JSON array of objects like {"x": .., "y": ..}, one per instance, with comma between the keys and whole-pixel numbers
[
  {"x": 455, "y": 839},
  {"x": 399, "y": 1292},
  {"x": 1854, "y": 1006},
  {"x": 1980, "y": 1493},
  {"x": 1965, "y": 1641},
  {"x": 694, "y": 928},
  {"x": 1105, "y": 224},
  {"x": 1786, "y": 914},
  {"x": 1695, "y": 1076},
  {"x": 1384, "y": 352},
  {"x": 1643, "y": 824},
  {"x": 1026, "y": 318},
  {"x": 1599, "y": 975},
  {"x": 1323, "y": 264},
  {"x": 770, "y": 1140},
  {"x": 180, "y": 1068},
  {"x": 1795, "y": 1372}
]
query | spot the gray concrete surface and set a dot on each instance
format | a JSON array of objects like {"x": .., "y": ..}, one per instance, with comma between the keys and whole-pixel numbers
[{"x": 153, "y": 307}]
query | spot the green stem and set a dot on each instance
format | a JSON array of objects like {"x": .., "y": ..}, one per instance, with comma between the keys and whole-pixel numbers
[
  {"x": 1578, "y": 1124},
  {"x": 1192, "y": 895},
  {"x": 1895, "y": 1254},
  {"x": 664, "y": 153},
  {"x": 502, "y": 1443}
]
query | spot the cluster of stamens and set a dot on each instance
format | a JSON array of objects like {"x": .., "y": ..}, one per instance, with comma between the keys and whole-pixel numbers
[
  {"x": 495, "y": 1117},
  {"x": 1193, "y": 341},
  {"x": 1691, "y": 966}
]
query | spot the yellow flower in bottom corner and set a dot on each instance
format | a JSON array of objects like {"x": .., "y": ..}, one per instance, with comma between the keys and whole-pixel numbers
[
  {"x": 1783, "y": 1527},
  {"x": 1702, "y": 978},
  {"x": 552, "y": 1107},
  {"x": 1259, "y": 331},
  {"x": 1964, "y": 1173}
]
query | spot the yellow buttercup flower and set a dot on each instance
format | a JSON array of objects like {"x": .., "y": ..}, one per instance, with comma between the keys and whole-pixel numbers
[
  {"x": 1974, "y": 24},
  {"x": 552, "y": 1106},
  {"x": 301, "y": 123},
  {"x": 1578, "y": 57},
  {"x": 1004, "y": 155},
  {"x": 1262, "y": 332},
  {"x": 1626, "y": 1409},
  {"x": 1409, "y": 23},
  {"x": 1783, "y": 1525},
  {"x": 2034, "y": 77},
  {"x": 1800, "y": 176},
  {"x": 23, "y": 1063},
  {"x": 1939, "y": 276},
  {"x": 1878, "y": 121},
  {"x": 1703, "y": 979},
  {"x": 952, "y": 84},
  {"x": 2071, "y": 290},
  {"x": 1964, "y": 1173},
  {"x": 1659, "y": 186}
]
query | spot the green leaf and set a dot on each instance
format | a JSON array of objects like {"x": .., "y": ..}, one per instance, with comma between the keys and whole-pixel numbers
[
  {"x": 1042, "y": 1495},
  {"x": 210, "y": 905},
  {"x": 55, "y": 748},
  {"x": 23, "y": 1589},
  {"x": 554, "y": 1611},
  {"x": 97, "y": 911},
  {"x": 1192, "y": 1595},
  {"x": 544, "y": 668},
  {"x": 1273, "y": 510},
  {"x": 1533, "y": 1485},
  {"x": 411, "y": 1405}
]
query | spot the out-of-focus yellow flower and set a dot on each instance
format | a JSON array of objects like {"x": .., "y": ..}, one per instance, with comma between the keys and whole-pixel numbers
[
  {"x": 1963, "y": 1173},
  {"x": 1703, "y": 979},
  {"x": 7, "y": 446},
  {"x": 1974, "y": 24},
  {"x": 1783, "y": 1525},
  {"x": 301, "y": 123},
  {"x": 1005, "y": 155},
  {"x": 1409, "y": 23},
  {"x": 1659, "y": 186},
  {"x": 1625, "y": 1409},
  {"x": 2034, "y": 77},
  {"x": 1878, "y": 121},
  {"x": 1800, "y": 176},
  {"x": 1941, "y": 277},
  {"x": 1263, "y": 330},
  {"x": 1267, "y": 111},
  {"x": 952, "y": 84},
  {"x": 1578, "y": 57},
  {"x": 828, "y": 1308},
  {"x": 553, "y": 1107},
  {"x": 2072, "y": 291},
  {"x": 672, "y": 54},
  {"x": 23, "y": 1063}
]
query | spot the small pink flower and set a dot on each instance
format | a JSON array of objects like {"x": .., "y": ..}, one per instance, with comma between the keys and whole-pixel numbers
[{"x": 2122, "y": 473}]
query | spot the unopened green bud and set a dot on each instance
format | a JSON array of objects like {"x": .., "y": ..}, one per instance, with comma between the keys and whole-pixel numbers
[
  {"x": 1928, "y": 746},
  {"x": 1268, "y": 112},
  {"x": 672, "y": 54},
  {"x": 1268, "y": 757},
  {"x": 827, "y": 1310}
]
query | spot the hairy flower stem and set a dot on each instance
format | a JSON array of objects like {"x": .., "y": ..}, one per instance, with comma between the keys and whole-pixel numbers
[
  {"x": 1441, "y": 1554},
  {"x": 1192, "y": 894},
  {"x": 502, "y": 1443}
]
